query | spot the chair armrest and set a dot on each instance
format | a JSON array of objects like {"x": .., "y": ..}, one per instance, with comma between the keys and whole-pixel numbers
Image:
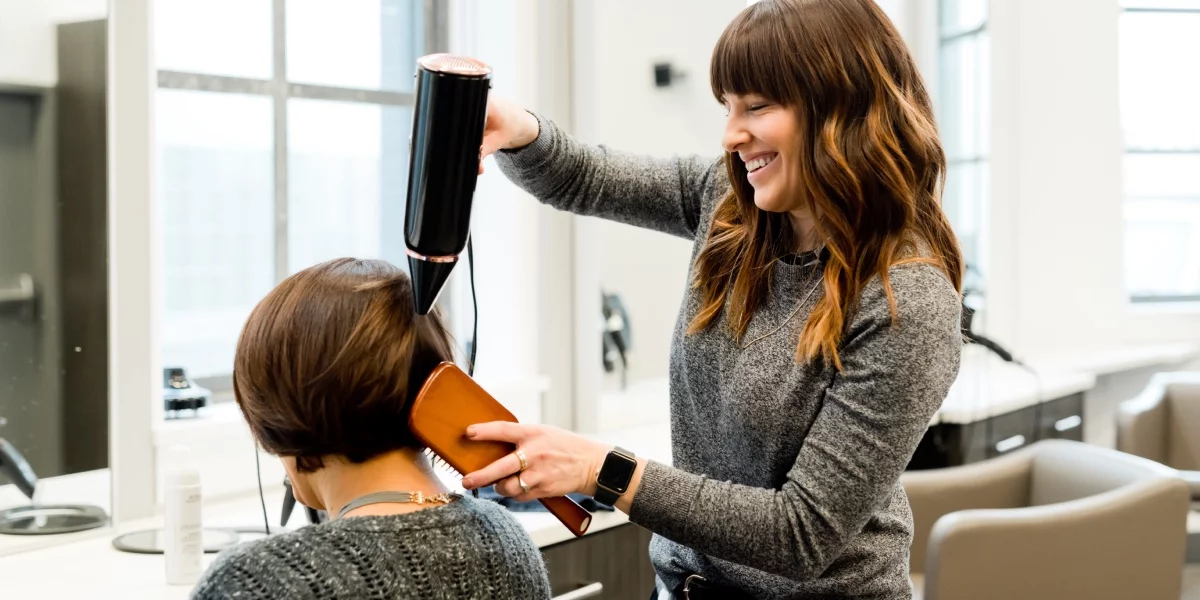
[
  {"x": 1193, "y": 480},
  {"x": 1126, "y": 543},
  {"x": 996, "y": 483},
  {"x": 1142, "y": 423}
]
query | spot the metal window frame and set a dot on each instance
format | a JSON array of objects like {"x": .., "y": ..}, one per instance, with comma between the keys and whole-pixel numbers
[
  {"x": 436, "y": 33},
  {"x": 1166, "y": 298},
  {"x": 944, "y": 41}
]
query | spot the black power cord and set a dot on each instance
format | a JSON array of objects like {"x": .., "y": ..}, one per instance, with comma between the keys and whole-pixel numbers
[
  {"x": 474, "y": 307},
  {"x": 475, "y": 320},
  {"x": 261, "y": 498}
]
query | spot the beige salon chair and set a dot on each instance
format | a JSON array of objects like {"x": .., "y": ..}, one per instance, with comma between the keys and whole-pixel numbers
[
  {"x": 1056, "y": 520},
  {"x": 1163, "y": 424}
]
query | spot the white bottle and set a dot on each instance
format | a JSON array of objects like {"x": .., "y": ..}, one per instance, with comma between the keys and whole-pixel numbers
[{"x": 182, "y": 539}]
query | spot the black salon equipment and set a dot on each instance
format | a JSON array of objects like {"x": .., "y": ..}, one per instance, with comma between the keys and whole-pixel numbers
[
  {"x": 40, "y": 519},
  {"x": 616, "y": 334},
  {"x": 449, "y": 115},
  {"x": 182, "y": 394}
]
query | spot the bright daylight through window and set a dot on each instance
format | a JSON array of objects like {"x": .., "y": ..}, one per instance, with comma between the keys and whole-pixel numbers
[
  {"x": 1159, "y": 55},
  {"x": 282, "y": 132}
]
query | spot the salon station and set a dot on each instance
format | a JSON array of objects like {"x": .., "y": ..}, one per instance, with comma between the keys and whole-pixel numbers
[{"x": 166, "y": 164}]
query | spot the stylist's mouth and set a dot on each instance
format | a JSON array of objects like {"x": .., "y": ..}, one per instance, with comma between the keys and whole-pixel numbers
[{"x": 760, "y": 166}]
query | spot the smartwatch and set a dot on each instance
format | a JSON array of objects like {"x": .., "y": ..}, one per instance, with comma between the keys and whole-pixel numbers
[{"x": 613, "y": 479}]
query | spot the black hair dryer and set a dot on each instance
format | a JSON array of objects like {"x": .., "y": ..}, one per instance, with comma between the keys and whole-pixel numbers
[{"x": 448, "y": 123}]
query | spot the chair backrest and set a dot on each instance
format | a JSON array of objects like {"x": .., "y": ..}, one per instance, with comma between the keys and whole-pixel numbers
[
  {"x": 1106, "y": 526},
  {"x": 1066, "y": 470},
  {"x": 1142, "y": 422}
]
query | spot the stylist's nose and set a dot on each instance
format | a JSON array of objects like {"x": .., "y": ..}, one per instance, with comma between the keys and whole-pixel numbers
[{"x": 735, "y": 134}]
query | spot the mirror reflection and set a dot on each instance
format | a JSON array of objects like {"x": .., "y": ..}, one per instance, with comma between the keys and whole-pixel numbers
[{"x": 53, "y": 271}]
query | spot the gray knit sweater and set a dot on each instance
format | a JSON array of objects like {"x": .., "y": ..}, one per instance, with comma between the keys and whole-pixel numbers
[
  {"x": 785, "y": 476},
  {"x": 467, "y": 549}
]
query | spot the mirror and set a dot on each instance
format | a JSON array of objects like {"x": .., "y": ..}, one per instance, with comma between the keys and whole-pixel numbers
[{"x": 53, "y": 269}]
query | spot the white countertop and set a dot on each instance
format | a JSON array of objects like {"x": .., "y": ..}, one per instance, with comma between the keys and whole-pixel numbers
[{"x": 987, "y": 386}]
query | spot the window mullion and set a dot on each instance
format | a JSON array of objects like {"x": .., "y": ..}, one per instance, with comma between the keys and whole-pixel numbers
[{"x": 279, "y": 94}]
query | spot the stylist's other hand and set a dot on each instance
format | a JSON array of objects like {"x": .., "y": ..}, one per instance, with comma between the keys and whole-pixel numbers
[
  {"x": 508, "y": 126},
  {"x": 560, "y": 461}
]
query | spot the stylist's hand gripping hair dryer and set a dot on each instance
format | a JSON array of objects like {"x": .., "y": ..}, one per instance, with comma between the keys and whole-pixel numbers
[{"x": 448, "y": 123}]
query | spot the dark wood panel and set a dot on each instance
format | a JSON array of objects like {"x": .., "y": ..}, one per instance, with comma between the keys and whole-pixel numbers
[
  {"x": 1062, "y": 419},
  {"x": 951, "y": 444},
  {"x": 618, "y": 558},
  {"x": 1012, "y": 431},
  {"x": 83, "y": 241}
]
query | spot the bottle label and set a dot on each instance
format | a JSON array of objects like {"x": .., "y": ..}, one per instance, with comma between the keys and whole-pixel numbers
[{"x": 183, "y": 540}]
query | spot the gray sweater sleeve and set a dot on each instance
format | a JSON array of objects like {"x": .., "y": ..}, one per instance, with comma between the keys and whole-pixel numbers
[
  {"x": 874, "y": 414},
  {"x": 662, "y": 194}
]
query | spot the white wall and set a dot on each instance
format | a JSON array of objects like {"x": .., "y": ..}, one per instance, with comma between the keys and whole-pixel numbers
[
  {"x": 28, "y": 53},
  {"x": 1063, "y": 170},
  {"x": 616, "y": 103}
]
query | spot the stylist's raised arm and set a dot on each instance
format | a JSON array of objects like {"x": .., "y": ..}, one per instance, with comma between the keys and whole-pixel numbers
[{"x": 820, "y": 328}]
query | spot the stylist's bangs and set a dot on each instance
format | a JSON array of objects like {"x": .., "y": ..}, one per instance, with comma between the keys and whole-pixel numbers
[{"x": 750, "y": 58}]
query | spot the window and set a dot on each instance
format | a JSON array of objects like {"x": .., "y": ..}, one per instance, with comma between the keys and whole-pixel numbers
[
  {"x": 1159, "y": 43},
  {"x": 282, "y": 135},
  {"x": 962, "y": 102}
]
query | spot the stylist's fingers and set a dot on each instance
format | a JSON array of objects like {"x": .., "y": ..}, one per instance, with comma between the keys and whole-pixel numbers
[
  {"x": 492, "y": 473},
  {"x": 500, "y": 431},
  {"x": 511, "y": 486}
]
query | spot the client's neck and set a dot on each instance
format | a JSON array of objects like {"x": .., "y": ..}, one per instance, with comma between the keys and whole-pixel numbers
[{"x": 341, "y": 481}]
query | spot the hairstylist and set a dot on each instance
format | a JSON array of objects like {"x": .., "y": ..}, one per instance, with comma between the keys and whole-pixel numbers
[{"x": 821, "y": 329}]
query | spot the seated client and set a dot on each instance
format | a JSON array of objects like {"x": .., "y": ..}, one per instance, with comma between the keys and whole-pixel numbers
[{"x": 326, "y": 369}]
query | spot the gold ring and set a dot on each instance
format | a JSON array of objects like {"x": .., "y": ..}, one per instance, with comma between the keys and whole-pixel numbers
[
  {"x": 521, "y": 457},
  {"x": 524, "y": 486}
]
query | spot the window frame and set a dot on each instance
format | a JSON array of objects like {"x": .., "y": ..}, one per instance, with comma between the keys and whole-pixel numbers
[
  {"x": 952, "y": 127},
  {"x": 436, "y": 36},
  {"x": 1127, "y": 150}
]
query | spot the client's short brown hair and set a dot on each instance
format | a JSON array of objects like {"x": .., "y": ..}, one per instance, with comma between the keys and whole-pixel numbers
[{"x": 329, "y": 362}]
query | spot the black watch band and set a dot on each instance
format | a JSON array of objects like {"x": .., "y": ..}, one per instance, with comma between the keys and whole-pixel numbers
[{"x": 615, "y": 475}]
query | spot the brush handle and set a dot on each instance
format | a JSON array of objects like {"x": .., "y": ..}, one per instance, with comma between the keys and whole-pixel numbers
[{"x": 569, "y": 513}]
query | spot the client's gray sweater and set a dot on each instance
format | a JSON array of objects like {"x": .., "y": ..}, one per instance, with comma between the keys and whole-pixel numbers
[
  {"x": 785, "y": 476},
  {"x": 467, "y": 549}
]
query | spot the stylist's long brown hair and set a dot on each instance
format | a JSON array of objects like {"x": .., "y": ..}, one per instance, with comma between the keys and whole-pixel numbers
[{"x": 873, "y": 170}]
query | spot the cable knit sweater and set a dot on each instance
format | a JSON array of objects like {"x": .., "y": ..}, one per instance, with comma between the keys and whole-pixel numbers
[
  {"x": 466, "y": 549},
  {"x": 785, "y": 476}
]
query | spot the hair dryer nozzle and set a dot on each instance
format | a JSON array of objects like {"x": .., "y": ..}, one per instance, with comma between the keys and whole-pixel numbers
[
  {"x": 449, "y": 116},
  {"x": 428, "y": 278}
]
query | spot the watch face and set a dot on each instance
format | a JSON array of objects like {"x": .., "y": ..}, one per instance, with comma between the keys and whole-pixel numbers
[{"x": 616, "y": 472}]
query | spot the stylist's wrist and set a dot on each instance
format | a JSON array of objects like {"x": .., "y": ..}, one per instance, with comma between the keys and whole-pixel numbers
[{"x": 528, "y": 131}]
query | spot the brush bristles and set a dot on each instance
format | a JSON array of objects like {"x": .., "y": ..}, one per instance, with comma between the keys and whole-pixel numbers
[{"x": 440, "y": 464}]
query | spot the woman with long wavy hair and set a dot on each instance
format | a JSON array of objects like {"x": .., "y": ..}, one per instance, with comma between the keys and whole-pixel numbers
[{"x": 820, "y": 331}]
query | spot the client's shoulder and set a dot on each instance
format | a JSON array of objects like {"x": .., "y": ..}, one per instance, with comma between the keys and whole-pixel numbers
[
  {"x": 244, "y": 571},
  {"x": 469, "y": 542}
]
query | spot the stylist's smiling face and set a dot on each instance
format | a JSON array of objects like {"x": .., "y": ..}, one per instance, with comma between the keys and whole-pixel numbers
[{"x": 766, "y": 136}]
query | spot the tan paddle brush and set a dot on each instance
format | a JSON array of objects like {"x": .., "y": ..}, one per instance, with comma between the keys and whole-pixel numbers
[{"x": 447, "y": 404}]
